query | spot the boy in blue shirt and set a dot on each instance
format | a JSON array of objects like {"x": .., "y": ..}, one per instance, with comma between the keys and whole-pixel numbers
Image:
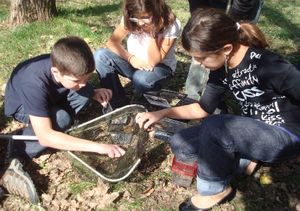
[{"x": 46, "y": 93}]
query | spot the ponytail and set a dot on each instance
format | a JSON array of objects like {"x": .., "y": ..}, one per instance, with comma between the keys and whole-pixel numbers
[{"x": 251, "y": 35}]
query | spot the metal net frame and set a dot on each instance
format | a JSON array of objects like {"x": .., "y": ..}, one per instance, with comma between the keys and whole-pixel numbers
[{"x": 117, "y": 127}]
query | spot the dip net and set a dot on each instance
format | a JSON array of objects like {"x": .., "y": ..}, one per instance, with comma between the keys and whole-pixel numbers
[{"x": 117, "y": 127}]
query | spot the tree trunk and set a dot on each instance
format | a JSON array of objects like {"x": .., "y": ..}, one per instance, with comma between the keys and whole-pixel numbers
[{"x": 25, "y": 11}]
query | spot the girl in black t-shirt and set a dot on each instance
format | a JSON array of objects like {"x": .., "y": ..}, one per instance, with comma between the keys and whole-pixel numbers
[{"x": 267, "y": 89}]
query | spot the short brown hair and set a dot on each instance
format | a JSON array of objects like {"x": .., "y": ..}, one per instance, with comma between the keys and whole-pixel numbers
[{"x": 72, "y": 56}]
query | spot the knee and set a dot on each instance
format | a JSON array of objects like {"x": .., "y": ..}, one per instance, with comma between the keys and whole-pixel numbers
[
  {"x": 101, "y": 57},
  {"x": 100, "y": 54},
  {"x": 142, "y": 83},
  {"x": 184, "y": 145},
  {"x": 176, "y": 142},
  {"x": 62, "y": 120}
]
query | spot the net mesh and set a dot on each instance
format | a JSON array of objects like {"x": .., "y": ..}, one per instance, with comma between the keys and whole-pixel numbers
[
  {"x": 117, "y": 127},
  {"x": 167, "y": 98}
]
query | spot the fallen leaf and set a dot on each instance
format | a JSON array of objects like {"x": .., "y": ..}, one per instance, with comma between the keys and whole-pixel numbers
[
  {"x": 265, "y": 180},
  {"x": 148, "y": 193}
]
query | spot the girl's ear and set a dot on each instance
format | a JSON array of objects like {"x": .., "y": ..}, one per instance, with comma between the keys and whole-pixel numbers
[{"x": 227, "y": 49}]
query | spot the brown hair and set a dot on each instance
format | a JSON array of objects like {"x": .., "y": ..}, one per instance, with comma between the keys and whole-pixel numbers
[
  {"x": 72, "y": 56},
  {"x": 208, "y": 30},
  {"x": 162, "y": 15}
]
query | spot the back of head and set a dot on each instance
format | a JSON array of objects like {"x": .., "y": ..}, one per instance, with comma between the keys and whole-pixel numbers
[
  {"x": 208, "y": 30},
  {"x": 72, "y": 56},
  {"x": 162, "y": 16}
]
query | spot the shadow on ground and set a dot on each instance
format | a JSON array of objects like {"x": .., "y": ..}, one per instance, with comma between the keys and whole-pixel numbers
[
  {"x": 3, "y": 119},
  {"x": 92, "y": 16},
  {"x": 291, "y": 30}
]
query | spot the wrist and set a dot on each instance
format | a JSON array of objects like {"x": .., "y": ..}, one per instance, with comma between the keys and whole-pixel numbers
[
  {"x": 100, "y": 148},
  {"x": 129, "y": 58}
]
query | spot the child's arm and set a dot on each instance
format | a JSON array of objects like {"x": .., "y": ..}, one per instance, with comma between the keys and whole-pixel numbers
[
  {"x": 191, "y": 111},
  {"x": 114, "y": 43},
  {"x": 50, "y": 138},
  {"x": 160, "y": 46},
  {"x": 158, "y": 49}
]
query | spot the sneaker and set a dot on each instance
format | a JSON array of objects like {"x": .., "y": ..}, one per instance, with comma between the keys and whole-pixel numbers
[{"x": 16, "y": 181}]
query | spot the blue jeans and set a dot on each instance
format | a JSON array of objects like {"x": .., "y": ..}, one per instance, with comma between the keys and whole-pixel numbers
[
  {"x": 109, "y": 65},
  {"x": 221, "y": 141},
  {"x": 238, "y": 9},
  {"x": 62, "y": 117}
]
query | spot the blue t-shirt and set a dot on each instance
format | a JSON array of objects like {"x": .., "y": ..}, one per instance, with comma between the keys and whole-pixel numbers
[{"x": 33, "y": 86}]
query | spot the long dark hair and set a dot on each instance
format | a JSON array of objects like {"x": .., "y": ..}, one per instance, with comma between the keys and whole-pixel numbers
[
  {"x": 208, "y": 30},
  {"x": 162, "y": 15}
]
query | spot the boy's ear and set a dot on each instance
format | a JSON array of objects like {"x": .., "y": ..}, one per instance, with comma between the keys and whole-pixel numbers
[
  {"x": 55, "y": 73},
  {"x": 227, "y": 49}
]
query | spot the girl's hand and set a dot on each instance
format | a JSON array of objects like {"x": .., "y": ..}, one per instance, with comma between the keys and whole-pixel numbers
[
  {"x": 147, "y": 119},
  {"x": 139, "y": 64},
  {"x": 113, "y": 151},
  {"x": 102, "y": 96}
]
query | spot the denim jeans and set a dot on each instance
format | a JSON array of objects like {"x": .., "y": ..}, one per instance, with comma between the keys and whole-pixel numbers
[
  {"x": 221, "y": 141},
  {"x": 62, "y": 117},
  {"x": 297, "y": 65},
  {"x": 249, "y": 10},
  {"x": 109, "y": 65}
]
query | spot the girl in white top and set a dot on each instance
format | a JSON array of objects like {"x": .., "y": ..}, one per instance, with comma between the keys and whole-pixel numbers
[{"x": 149, "y": 60}]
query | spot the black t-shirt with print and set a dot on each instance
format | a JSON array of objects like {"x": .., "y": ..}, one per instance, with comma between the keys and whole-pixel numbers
[
  {"x": 33, "y": 86},
  {"x": 266, "y": 86}
]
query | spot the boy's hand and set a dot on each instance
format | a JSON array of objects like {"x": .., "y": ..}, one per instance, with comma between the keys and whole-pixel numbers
[
  {"x": 113, "y": 151},
  {"x": 102, "y": 96},
  {"x": 140, "y": 64}
]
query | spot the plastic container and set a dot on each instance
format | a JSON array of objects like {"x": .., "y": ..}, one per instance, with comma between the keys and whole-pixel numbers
[{"x": 183, "y": 173}]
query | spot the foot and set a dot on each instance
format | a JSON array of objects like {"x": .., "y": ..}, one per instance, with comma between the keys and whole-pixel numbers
[
  {"x": 200, "y": 203},
  {"x": 16, "y": 181},
  {"x": 251, "y": 168}
]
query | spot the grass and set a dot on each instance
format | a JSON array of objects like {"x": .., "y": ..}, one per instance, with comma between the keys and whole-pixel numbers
[
  {"x": 92, "y": 22},
  {"x": 135, "y": 204},
  {"x": 77, "y": 188},
  {"x": 280, "y": 21},
  {"x": 95, "y": 20}
]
